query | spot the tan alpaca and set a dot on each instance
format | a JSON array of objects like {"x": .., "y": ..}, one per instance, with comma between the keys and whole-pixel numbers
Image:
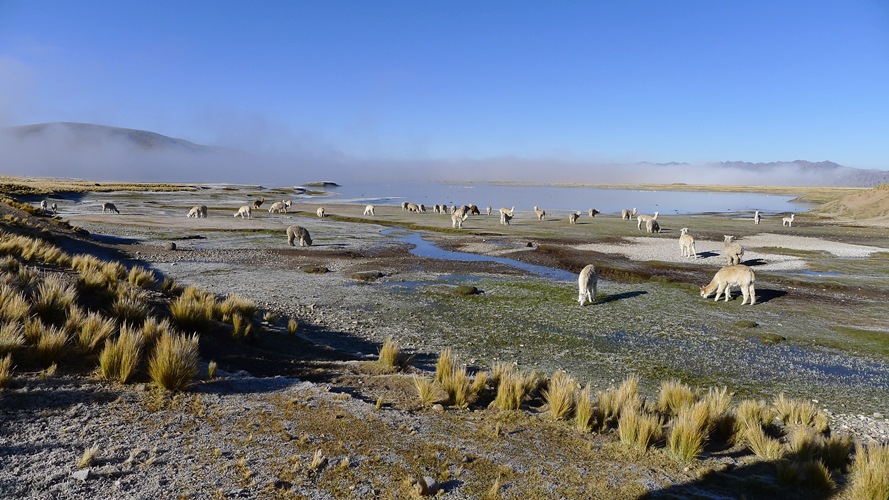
[
  {"x": 369, "y": 210},
  {"x": 320, "y": 212},
  {"x": 644, "y": 218},
  {"x": 298, "y": 233},
  {"x": 627, "y": 214},
  {"x": 505, "y": 217},
  {"x": 572, "y": 217},
  {"x": 732, "y": 251},
  {"x": 586, "y": 284},
  {"x": 687, "y": 244},
  {"x": 510, "y": 211},
  {"x": 788, "y": 221},
  {"x": 729, "y": 276},
  {"x": 541, "y": 214},
  {"x": 245, "y": 212},
  {"x": 198, "y": 212},
  {"x": 457, "y": 219}
]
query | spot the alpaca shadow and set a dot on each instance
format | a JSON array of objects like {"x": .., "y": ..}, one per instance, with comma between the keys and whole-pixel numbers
[
  {"x": 764, "y": 295},
  {"x": 754, "y": 262},
  {"x": 621, "y": 296},
  {"x": 704, "y": 255}
]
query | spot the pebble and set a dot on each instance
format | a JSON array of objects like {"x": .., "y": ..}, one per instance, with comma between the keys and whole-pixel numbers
[{"x": 81, "y": 475}]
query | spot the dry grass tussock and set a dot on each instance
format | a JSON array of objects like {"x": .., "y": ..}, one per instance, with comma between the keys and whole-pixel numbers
[
  {"x": 391, "y": 357},
  {"x": 639, "y": 429},
  {"x": 752, "y": 413},
  {"x": 88, "y": 458},
  {"x": 514, "y": 387},
  {"x": 242, "y": 327},
  {"x": 869, "y": 477},
  {"x": 141, "y": 277},
  {"x": 583, "y": 410},
  {"x": 93, "y": 330},
  {"x": 425, "y": 390},
  {"x": 237, "y": 305},
  {"x": 292, "y": 326},
  {"x": 130, "y": 306},
  {"x": 120, "y": 358},
  {"x": 610, "y": 402},
  {"x": 763, "y": 446},
  {"x": 12, "y": 337},
  {"x": 13, "y": 304},
  {"x": 51, "y": 344},
  {"x": 53, "y": 299},
  {"x": 174, "y": 362},
  {"x": 5, "y": 371},
  {"x": 456, "y": 386},
  {"x": 193, "y": 310},
  {"x": 689, "y": 432},
  {"x": 673, "y": 396},
  {"x": 32, "y": 250},
  {"x": 800, "y": 412},
  {"x": 811, "y": 474},
  {"x": 446, "y": 365},
  {"x": 560, "y": 395}
]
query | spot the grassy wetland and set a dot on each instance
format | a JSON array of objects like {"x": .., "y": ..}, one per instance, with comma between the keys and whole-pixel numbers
[{"x": 344, "y": 397}]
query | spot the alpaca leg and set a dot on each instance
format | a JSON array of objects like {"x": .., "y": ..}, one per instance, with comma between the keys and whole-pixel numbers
[
  {"x": 752, "y": 293},
  {"x": 719, "y": 290}
]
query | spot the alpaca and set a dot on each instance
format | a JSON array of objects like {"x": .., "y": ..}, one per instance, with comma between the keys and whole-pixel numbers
[
  {"x": 54, "y": 208},
  {"x": 644, "y": 218},
  {"x": 757, "y": 218},
  {"x": 403, "y": 206},
  {"x": 258, "y": 203},
  {"x": 729, "y": 276},
  {"x": 436, "y": 209},
  {"x": 541, "y": 214},
  {"x": 245, "y": 212},
  {"x": 457, "y": 220},
  {"x": 505, "y": 217},
  {"x": 198, "y": 212},
  {"x": 592, "y": 212},
  {"x": 422, "y": 207},
  {"x": 732, "y": 251},
  {"x": 572, "y": 217},
  {"x": 43, "y": 205},
  {"x": 474, "y": 210},
  {"x": 510, "y": 211},
  {"x": 369, "y": 210},
  {"x": 413, "y": 207},
  {"x": 298, "y": 233},
  {"x": 687, "y": 244},
  {"x": 488, "y": 210},
  {"x": 788, "y": 221},
  {"x": 109, "y": 207},
  {"x": 652, "y": 226},
  {"x": 460, "y": 212},
  {"x": 279, "y": 207},
  {"x": 320, "y": 212},
  {"x": 627, "y": 214},
  {"x": 586, "y": 284}
]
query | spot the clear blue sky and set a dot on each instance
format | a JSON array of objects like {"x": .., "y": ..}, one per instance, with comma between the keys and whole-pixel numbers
[{"x": 615, "y": 81}]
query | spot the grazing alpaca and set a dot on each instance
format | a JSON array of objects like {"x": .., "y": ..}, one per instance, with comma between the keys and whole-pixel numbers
[
  {"x": 436, "y": 209},
  {"x": 422, "y": 207},
  {"x": 245, "y": 212},
  {"x": 43, "y": 205},
  {"x": 320, "y": 212},
  {"x": 593, "y": 212},
  {"x": 403, "y": 206},
  {"x": 488, "y": 210},
  {"x": 644, "y": 218},
  {"x": 572, "y": 217},
  {"x": 279, "y": 207},
  {"x": 413, "y": 207},
  {"x": 298, "y": 233},
  {"x": 457, "y": 219},
  {"x": 258, "y": 203},
  {"x": 109, "y": 207},
  {"x": 627, "y": 214},
  {"x": 586, "y": 284},
  {"x": 474, "y": 210},
  {"x": 369, "y": 210},
  {"x": 732, "y": 251},
  {"x": 54, "y": 208},
  {"x": 505, "y": 217},
  {"x": 687, "y": 244},
  {"x": 198, "y": 212},
  {"x": 459, "y": 212},
  {"x": 729, "y": 276},
  {"x": 652, "y": 226},
  {"x": 788, "y": 221},
  {"x": 510, "y": 211},
  {"x": 757, "y": 218},
  {"x": 541, "y": 214}
]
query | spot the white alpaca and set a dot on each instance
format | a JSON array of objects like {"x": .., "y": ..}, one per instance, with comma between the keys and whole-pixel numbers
[
  {"x": 43, "y": 205},
  {"x": 626, "y": 214},
  {"x": 245, "y": 212},
  {"x": 593, "y": 212},
  {"x": 572, "y": 217},
  {"x": 644, "y": 218},
  {"x": 788, "y": 221},
  {"x": 320, "y": 212},
  {"x": 298, "y": 233},
  {"x": 740, "y": 276},
  {"x": 652, "y": 226},
  {"x": 198, "y": 212},
  {"x": 488, "y": 210},
  {"x": 757, "y": 218},
  {"x": 510, "y": 211},
  {"x": 109, "y": 207},
  {"x": 369, "y": 210},
  {"x": 457, "y": 220},
  {"x": 54, "y": 208},
  {"x": 413, "y": 207},
  {"x": 541, "y": 214},
  {"x": 258, "y": 203},
  {"x": 687, "y": 244},
  {"x": 505, "y": 217},
  {"x": 279, "y": 207},
  {"x": 732, "y": 251},
  {"x": 586, "y": 284}
]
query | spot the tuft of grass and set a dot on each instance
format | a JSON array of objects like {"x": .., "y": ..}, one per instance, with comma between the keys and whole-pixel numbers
[
  {"x": 721, "y": 420},
  {"x": 53, "y": 299},
  {"x": 391, "y": 357},
  {"x": 807, "y": 473},
  {"x": 211, "y": 370},
  {"x": 88, "y": 458},
  {"x": 5, "y": 371},
  {"x": 836, "y": 452},
  {"x": 318, "y": 460},
  {"x": 193, "y": 310},
  {"x": 639, "y": 429},
  {"x": 674, "y": 396},
  {"x": 292, "y": 326},
  {"x": 804, "y": 443},
  {"x": 800, "y": 412},
  {"x": 761, "y": 445},
  {"x": 9, "y": 263},
  {"x": 869, "y": 477},
  {"x": 379, "y": 404},
  {"x": 425, "y": 390},
  {"x": 130, "y": 306},
  {"x": 752, "y": 413},
  {"x": 500, "y": 369},
  {"x": 237, "y": 305},
  {"x": 479, "y": 383},
  {"x": 152, "y": 329},
  {"x": 559, "y": 395},
  {"x": 583, "y": 410},
  {"x": 512, "y": 390},
  {"x": 170, "y": 286},
  {"x": 120, "y": 357},
  {"x": 611, "y": 401},
  {"x": 271, "y": 317},
  {"x": 13, "y": 305},
  {"x": 49, "y": 371},
  {"x": 242, "y": 327},
  {"x": 94, "y": 330},
  {"x": 174, "y": 362},
  {"x": 11, "y": 337},
  {"x": 141, "y": 277},
  {"x": 456, "y": 386},
  {"x": 446, "y": 365},
  {"x": 689, "y": 432},
  {"x": 51, "y": 344}
]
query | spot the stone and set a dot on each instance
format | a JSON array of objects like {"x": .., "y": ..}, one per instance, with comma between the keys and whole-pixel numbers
[
  {"x": 427, "y": 486},
  {"x": 438, "y": 407},
  {"x": 465, "y": 290},
  {"x": 171, "y": 246},
  {"x": 81, "y": 475}
]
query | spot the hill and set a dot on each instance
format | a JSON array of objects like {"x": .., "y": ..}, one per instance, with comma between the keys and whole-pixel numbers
[
  {"x": 81, "y": 135},
  {"x": 871, "y": 206}
]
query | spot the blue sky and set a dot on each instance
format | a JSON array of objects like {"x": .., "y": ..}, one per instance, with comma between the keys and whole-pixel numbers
[{"x": 598, "y": 82}]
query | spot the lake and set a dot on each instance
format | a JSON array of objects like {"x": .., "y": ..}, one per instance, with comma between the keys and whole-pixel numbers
[{"x": 563, "y": 199}]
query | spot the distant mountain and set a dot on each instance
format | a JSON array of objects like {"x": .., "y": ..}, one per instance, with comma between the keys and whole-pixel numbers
[
  {"x": 834, "y": 173},
  {"x": 79, "y": 135}
]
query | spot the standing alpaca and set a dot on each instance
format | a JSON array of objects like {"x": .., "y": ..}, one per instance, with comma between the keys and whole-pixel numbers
[
  {"x": 245, "y": 212},
  {"x": 572, "y": 217},
  {"x": 258, "y": 203},
  {"x": 788, "y": 221},
  {"x": 109, "y": 207},
  {"x": 732, "y": 251},
  {"x": 300, "y": 233},
  {"x": 541, "y": 214},
  {"x": 43, "y": 205},
  {"x": 652, "y": 226},
  {"x": 757, "y": 218},
  {"x": 627, "y": 214},
  {"x": 505, "y": 217},
  {"x": 593, "y": 212},
  {"x": 644, "y": 218},
  {"x": 457, "y": 219},
  {"x": 320, "y": 212},
  {"x": 54, "y": 208},
  {"x": 586, "y": 284},
  {"x": 488, "y": 210},
  {"x": 687, "y": 244},
  {"x": 369, "y": 210}
]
